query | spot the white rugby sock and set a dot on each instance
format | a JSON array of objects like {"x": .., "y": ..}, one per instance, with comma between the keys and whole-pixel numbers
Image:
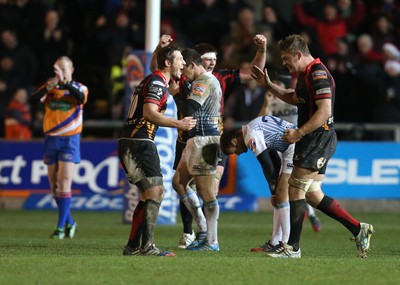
[
  {"x": 284, "y": 220},
  {"x": 211, "y": 210},
  {"x": 311, "y": 211},
  {"x": 192, "y": 203},
  {"x": 276, "y": 228}
]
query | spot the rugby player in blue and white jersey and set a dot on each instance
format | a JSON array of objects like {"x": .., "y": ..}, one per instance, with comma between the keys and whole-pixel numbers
[
  {"x": 200, "y": 156},
  {"x": 262, "y": 135}
]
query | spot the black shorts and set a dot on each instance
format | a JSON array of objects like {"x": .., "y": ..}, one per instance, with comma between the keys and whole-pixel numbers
[
  {"x": 179, "y": 147},
  {"x": 141, "y": 163},
  {"x": 314, "y": 150}
]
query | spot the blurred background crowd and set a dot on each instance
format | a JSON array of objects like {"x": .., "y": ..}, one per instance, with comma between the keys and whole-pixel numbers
[{"x": 358, "y": 40}]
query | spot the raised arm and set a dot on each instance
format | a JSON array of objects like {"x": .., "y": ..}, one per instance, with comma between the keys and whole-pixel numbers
[
  {"x": 164, "y": 41},
  {"x": 259, "y": 59},
  {"x": 261, "y": 55}
]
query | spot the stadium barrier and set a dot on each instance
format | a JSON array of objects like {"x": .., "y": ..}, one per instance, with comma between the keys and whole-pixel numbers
[{"x": 363, "y": 173}]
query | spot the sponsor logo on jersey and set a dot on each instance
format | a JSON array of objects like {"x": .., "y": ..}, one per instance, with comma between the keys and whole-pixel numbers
[
  {"x": 156, "y": 82},
  {"x": 198, "y": 89},
  {"x": 319, "y": 74},
  {"x": 323, "y": 91}
]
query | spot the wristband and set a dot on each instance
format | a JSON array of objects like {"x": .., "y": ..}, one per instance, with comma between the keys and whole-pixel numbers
[
  {"x": 262, "y": 50},
  {"x": 301, "y": 133}
]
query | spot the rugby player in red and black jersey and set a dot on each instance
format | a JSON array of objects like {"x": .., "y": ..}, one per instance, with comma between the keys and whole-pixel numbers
[
  {"x": 138, "y": 153},
  {"x": 315, "y": 139}
]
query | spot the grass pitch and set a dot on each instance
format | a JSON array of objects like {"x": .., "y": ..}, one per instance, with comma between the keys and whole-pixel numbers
[{"x": 94, "y": 256}]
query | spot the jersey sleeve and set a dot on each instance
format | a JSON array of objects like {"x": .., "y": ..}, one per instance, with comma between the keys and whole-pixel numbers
[
  {"x": 254, "y": 140},
  {"x": 320, "y": 82},
  {"x": 155, "y": 92}
]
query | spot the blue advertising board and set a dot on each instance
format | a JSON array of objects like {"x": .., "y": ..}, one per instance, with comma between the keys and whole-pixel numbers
[
  {"x": 98, "y": 183},
  {"x": 358, "y": 170},
  {"x": 362, "y": 170}
]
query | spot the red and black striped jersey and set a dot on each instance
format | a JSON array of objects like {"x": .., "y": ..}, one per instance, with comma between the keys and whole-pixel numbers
[
  {"x": 153, "y": 89},
  {"x": 314, "y": 84}
]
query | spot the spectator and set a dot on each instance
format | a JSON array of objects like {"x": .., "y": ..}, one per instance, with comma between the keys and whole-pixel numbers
[
  {"x": 342, "y": 68},
  {"x": 369, "y": 77},
  {"x": 54, "y": 42},
  {"x": 390, "y": 52},
  {"x": 8, "y": 83},
  {"x": 382, "y": 32},
  {"x": 18, "y": 119},
  {"x": 245, "y": 103},
  {"x": 23, "y": 57},
  {"x": 388, "y": 109},
  {"x": 270, "y": 17},
  {"x": 332, "y": 26},
  {"x": 243, "y": 31}
]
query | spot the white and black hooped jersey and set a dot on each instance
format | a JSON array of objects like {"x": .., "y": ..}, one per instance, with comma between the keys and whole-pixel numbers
[{"x": 266, "y": 133}]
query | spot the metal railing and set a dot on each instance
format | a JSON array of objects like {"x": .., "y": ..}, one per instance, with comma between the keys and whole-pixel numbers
[{"x": 392, "y": 128}]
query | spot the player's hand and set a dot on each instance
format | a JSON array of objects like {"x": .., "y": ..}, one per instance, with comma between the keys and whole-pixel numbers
[
  {"x": 52, "y": 82},
  {"x": 261, "y": 76},
  {"x": 260, "y": 41},
  {"x": 187, "y": 123},
  {"x": 291, "y": 136},
  {"x": 59, "y": 73},
  {"x": 274, "y": 201},
  {"x": 165, "y": 40},
  {"x": 173, "y": 87}
]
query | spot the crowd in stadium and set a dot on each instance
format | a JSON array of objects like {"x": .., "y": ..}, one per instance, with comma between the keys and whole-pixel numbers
[{"x": 358, "y": 41}]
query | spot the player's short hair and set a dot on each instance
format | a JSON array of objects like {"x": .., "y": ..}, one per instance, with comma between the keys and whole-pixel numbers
[
  {"x": 166, "y": 53},
  {"x": 226, "y": 138},
  {"x": 190, "y": 55},
  {"x": 66, "y": 59},
  {"x": 203, "y": 48},
  {"x": 294, "y": 43}
]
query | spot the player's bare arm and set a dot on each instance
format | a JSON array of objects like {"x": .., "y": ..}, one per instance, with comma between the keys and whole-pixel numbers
[
  {"x": 165, "y": 40},
  {"x": 317, "y": 120},
  {"x": 259, "y": 59},
  {"x": 285, "y": 94},
  {"x": 151, "y": 114}
]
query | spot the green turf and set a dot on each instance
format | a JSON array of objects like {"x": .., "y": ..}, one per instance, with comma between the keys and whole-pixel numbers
[{"x": 94, "y": 256}]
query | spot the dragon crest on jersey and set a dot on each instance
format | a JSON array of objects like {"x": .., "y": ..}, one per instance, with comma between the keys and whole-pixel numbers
[{"x": 321, "y": 162}]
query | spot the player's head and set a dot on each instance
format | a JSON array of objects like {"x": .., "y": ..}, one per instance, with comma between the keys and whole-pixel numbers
[
  {"x": 232, "y": 142},
  {"x": 67, "y": 67},
  {"x": 208, "y": 55},
  {"x": 167, "y": 53},
  {"x": 171, "y": 57},
  {"x": 293, "y": 49},
  {"x": 192, "y": 58}
]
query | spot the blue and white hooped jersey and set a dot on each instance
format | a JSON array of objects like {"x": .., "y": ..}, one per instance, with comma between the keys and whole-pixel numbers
[{"x": 266, "y": 133}]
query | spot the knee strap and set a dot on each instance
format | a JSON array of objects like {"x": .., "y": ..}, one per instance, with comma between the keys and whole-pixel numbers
[
  {"x": 301, "y": 183},
  {"x": 315, "y": 186}
]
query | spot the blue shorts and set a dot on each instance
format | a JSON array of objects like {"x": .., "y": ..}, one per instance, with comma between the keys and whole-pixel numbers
[{"x": 65, "y": 149}]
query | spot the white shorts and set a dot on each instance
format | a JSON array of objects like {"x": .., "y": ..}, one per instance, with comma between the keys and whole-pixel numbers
[
  {"x": 287, "y": 160},
  {"x": 201, "y": 155}
]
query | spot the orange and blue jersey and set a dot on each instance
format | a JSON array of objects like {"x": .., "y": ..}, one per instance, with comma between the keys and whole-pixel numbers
[{"x": 63, "y": 112}]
